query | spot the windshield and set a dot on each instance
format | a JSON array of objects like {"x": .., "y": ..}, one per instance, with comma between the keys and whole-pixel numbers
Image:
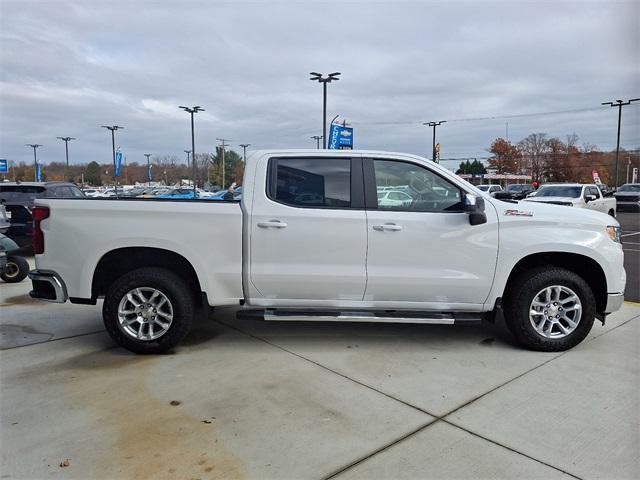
[
  {"x": 484, "y": 188},
  {"x": 517, "y": 188},
  {"x": 559, "y": 191},
  {"x": 20, "y": 193},
  {"x": 630, "y": 188}
]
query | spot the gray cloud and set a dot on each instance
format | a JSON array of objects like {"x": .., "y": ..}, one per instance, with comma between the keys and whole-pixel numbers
[{"x": 69, "y": 67}]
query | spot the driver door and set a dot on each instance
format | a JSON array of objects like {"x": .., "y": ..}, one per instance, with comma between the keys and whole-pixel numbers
[{"x": 424, "y": 250}]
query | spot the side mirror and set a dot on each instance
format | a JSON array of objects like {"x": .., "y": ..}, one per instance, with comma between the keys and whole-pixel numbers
[
  {"x": 589, "y": 198},
  {"x": 474, "y": 207}
]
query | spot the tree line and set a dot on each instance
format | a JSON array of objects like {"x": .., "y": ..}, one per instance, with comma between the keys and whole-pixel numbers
[
  {"x": 550, "y": 159},
  {"x": 168, "y": 169}
]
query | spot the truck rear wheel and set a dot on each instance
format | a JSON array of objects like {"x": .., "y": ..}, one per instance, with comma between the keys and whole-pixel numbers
[
  {"x": 148, "y": 310},
  {"x": 550, "y": 309}
]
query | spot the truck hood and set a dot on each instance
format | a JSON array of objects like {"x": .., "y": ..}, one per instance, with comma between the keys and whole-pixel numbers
[
  {"x": 552, "y": 199},
  {"x": 537, "y": 211}
]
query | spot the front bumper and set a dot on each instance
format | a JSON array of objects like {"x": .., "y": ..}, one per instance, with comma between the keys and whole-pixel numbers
[
  {"x": 614, "y": 302},
  {"x": 47, "y": 285}
]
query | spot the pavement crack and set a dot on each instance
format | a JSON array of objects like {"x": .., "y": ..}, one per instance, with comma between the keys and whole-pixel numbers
[{"x": 51, "y": 340}]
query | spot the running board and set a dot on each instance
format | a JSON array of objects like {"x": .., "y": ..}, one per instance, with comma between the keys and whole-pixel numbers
[{"x": 433, "y": 318}]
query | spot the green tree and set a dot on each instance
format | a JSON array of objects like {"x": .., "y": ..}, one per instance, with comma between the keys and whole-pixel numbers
[{"x": 92, "y": 174}]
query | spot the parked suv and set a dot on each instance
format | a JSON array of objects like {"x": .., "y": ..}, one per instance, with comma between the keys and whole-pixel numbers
[{"x": 19, "y": 199}]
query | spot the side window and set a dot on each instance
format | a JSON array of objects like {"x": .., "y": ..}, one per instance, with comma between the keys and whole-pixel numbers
[
  {"x": 595, "y": 191},
  {"x": 310, "y": 182},
  {"x": 76, "y": 192},
  {"x": 416, "y": 188}
]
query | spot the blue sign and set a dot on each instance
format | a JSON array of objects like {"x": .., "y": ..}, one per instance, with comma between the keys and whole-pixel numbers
[
  {"x": 340, "y": 138},
  {"x": 4, "y": 166},
  {"x": 150, "y": 173},
  {"x": 118, "y": 162},
  {"x": 38, "y": 172}
]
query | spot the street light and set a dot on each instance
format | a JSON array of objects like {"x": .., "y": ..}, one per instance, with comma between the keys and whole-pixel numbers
[
  {"x": 324, "y": 80},
  {"x": 66, "y": 141},
  {"x": 192, "y": 110},
  {"x": 148, "y": 169},
  {"x": 244, "y": 151},
  {"x": 619, "y": 104},
  {"x": 317, "y": 138},
  {"x": 434, "y": 125},
  {"x": 113, "y": 129},
  {"x": 223, "y": 144},
  {"x": 35, "y": 158}
]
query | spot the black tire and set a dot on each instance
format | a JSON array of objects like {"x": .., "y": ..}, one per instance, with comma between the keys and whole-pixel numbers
[
  {"x": 522, "y": 292},
  {"x": 171, "y": 286},
  {"x": 16, "y": 270}
]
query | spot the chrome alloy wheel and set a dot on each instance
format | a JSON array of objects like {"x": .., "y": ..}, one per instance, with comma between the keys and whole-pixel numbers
[
  {"x": 555, "y": 311},
  {"x": 145, "y": 313},
  {"x": 11, "y": 270}
]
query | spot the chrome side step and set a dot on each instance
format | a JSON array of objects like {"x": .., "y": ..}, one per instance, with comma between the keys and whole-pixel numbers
[{"x": 354, "y": 316}]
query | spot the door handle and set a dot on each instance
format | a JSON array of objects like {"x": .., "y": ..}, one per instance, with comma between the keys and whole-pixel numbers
[
  {"x": 392, "y": 227},
  {"x": 272, "y": 224}
]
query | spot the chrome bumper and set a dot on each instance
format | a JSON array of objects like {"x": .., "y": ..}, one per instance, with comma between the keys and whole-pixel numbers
[
  {"x": 48, "y": 285},
  {"x": 614, "y": 302}
]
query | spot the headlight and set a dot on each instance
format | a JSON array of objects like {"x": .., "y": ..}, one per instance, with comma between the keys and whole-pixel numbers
[{"x": 614, "y": 233}]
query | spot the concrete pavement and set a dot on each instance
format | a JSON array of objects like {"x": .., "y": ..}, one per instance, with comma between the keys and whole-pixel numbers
[{"x": 249, "y": 399}]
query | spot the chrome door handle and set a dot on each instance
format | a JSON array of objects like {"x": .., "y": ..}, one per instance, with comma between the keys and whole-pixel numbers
[
  {"x": 272, "y": 224},
  {"x": 392, "y": 227}
]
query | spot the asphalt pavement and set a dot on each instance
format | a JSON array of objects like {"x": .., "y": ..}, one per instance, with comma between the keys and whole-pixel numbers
[{"x": 630, "y": 223}]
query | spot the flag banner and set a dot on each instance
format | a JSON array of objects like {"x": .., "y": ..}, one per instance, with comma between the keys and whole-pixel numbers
[
  {"x": 150, "y": 173},
  {"x": 119, "y": 158},
  {"x": 4, "y": 166},
  {"x": 38, "y": 172}
]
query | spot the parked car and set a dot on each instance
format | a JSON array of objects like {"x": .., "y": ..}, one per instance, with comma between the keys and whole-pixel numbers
[
  {"x": 575, "y": 195},
  {"x": 490, "y": 188},
  {"x": 628, "y": 197},
  {"x": 518, "y": 191},
  {"x": 13, "y": 267},
  {"x": 394, "y": 198},
  {"x": 91, "y": 192},
  {"x": 19, "y": 198},
  {"x": 445, "y": 258},
  {"x": 606, "y": 190}
]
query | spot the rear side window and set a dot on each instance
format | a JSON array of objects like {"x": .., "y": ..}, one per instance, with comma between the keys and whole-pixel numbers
[
  {"x": 24, "y": 194},
  {"x": 310, "y": 182}
]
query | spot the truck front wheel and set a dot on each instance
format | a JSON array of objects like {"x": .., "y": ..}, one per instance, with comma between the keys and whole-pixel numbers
[
  {"x": 550, "y": 309},
  {"x": 148, "y": 310}
]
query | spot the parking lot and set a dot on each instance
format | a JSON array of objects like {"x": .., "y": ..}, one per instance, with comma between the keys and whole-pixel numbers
[
  {"x": 630, "y": 223},
  {"x": 249, "y": 399}
]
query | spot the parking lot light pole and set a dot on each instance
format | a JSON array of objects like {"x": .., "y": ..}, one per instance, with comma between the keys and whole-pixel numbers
[
  {"x": 148, "y": 169},
  {"x": 317, "y": 77},
  {"x": 317, "y": 138},
  {"x": 35, "y": 158},
  {"x": 619, "y": 104},
  {"x": 113, "y": 129},
  {"x": 192, "y": 110},
  {"x": 223, "y": 144},
  {"x": 244, "y": 151},
  {"x": 66, "y": 141},
  {"x": 434, "y": 125}
]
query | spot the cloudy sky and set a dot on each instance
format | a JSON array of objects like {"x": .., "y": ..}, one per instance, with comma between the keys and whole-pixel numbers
[{"x": 68, "y": 67}]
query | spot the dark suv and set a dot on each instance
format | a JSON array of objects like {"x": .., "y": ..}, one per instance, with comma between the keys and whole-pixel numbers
[{"x": 19, "y": 198}]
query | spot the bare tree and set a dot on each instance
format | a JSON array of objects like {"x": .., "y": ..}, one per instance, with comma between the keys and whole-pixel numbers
[{"x": 535, "y": 148}]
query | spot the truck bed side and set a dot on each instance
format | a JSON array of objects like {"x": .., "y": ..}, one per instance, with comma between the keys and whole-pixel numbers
[{"x": 207, "y": 234}]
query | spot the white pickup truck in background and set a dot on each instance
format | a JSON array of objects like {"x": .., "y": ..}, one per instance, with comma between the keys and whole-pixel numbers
[
  {"x": 575, "y": 195},
  {"x": 313, "y": 238}
]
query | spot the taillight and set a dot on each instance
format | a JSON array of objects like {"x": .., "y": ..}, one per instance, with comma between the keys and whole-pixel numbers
[{"x": 39, "y": 214}]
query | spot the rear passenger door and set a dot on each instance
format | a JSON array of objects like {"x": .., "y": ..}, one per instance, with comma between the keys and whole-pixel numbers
[{"x": 308, "y": 232}]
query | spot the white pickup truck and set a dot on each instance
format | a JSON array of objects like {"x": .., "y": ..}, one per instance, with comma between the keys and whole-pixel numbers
[
  {"x": 310, "y": 240},
  {"x": 575, "y": 195}
]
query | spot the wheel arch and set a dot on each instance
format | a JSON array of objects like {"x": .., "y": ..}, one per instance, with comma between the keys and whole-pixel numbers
[
  {"x": 117, "y": 262},
  {"x": 582, "y": 265}
]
